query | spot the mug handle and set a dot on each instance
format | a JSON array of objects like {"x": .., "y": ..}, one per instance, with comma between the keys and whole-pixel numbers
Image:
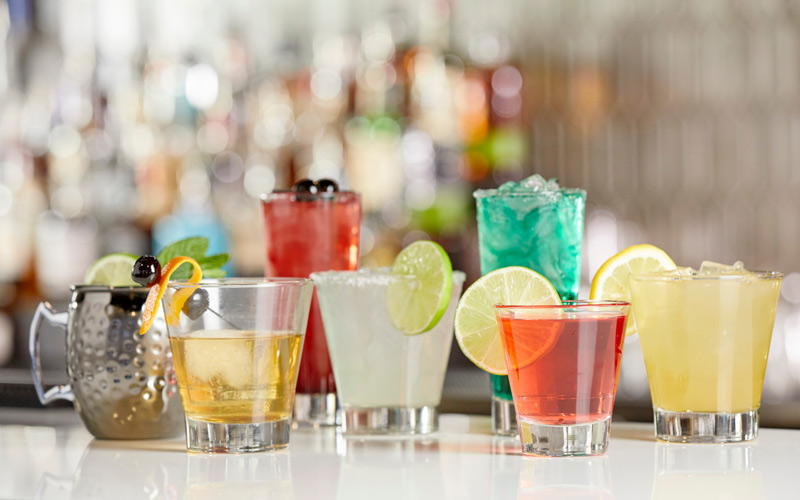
[{"x": 45, "y": 311}]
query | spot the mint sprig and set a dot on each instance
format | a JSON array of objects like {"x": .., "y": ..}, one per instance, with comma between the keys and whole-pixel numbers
[{"x": 195, "y": 248}]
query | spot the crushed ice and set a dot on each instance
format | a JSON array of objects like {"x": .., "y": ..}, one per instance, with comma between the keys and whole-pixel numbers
[{"x": 533, "y": 183}]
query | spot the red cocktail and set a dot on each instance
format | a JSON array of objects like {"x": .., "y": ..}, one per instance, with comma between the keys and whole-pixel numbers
[
  {"x": 308, "y": 231},
  {"x": 563, "y": 364}
]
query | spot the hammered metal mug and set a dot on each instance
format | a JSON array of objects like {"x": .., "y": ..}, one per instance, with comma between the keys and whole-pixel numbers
[{"x": 123, "y": 384}]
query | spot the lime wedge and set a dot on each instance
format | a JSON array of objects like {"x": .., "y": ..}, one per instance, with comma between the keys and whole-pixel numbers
[
  {"x": 612, "y": 281},
  {"x": 113, "y": 269},
  {"x": 415, "y": 306},
  {"x": 477, "y": 332}
]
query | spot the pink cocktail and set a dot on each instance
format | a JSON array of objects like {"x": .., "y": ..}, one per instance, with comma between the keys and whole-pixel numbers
[
  {"x": 308, "y": 232},
  {"x": 563, "y": 365}
]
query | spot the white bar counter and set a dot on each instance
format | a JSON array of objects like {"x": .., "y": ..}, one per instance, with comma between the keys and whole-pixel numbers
[{"x": 54, "y": 460}]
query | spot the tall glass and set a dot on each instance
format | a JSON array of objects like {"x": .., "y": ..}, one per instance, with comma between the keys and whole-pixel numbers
[
  {"x": 705, "y": 340},
  {"x": 306, "y": 233},
  {"x": 388, "y": 382},
  {"x": 236, "y": 345},
  {"x": 541, "y": 229},
  {"x": 563, "y": 365}
]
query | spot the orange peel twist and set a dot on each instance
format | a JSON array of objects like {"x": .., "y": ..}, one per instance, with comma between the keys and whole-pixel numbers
[{"x": 178, "y": 298}]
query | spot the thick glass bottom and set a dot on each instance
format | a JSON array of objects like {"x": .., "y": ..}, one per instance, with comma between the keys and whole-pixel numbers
[
  {"x": 209, "y": 437},
  {"x": 698, "y": 427},
  {"x": 504, "y": 417},
  {"x": 564, "y": 440},
  {"x": 379, "y": 421},
  {"x": 314, "y": 410}
]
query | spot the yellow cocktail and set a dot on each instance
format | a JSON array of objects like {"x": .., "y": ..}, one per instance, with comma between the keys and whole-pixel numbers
[
  {"x": 705, "y": 339},
  {"x": 236, "y": 347},
  {"x": 237, "y": 377}
]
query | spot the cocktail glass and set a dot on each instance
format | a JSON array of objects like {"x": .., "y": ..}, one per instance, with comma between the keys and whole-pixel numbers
[
  {"x": 705, "y": 340},
  {"x": 563, "y": 365},
  {"x": 538, "y": 226},
  {"x": 305, "y": 233},
  {"x": 236, "y": 345},
  {"x": 388, "y": 382}
]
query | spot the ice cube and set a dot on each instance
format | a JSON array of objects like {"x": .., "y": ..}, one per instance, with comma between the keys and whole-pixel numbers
[
  {"x": 538, "y": 183},
  {"x": 709, "y": 267},
  {"x": 533, "y": 183},
  {"x": 677, "y": 272},
  {"x": 220, "y": 356},
  {"x": 714, "y": 268},
  {"x": 508, "y": 187},
  {"x": 552, "y": 185}
]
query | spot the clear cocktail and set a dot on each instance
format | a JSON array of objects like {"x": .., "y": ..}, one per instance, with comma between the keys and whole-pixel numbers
[
  {"x": 236, "y": 346},
  {"x": 534, "y": 224},
  {"x": 563, "y": 364},
  {"x": 387, "y": 381},
  {"x": 705, "y": 338},
  {"x": 307, "y": 232}
]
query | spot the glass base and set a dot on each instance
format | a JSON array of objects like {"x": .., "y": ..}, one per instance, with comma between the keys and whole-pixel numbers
[
  {"x": 376, "y": 421},
  {"x": 564, "y": 440},
  {"x": 696, "y": 427},
  {"x": 314, "y": 410},
  {"x": 504, "y": 417},
  {"x": 210, "y": 437}
]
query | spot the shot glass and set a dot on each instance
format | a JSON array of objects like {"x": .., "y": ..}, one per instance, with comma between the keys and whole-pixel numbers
[
  {"x": 705, "y": 341},
  {"x": 387, "y": 382},
  {"x": 563, "y": 365},
  {"x": 236, "y": 346}
]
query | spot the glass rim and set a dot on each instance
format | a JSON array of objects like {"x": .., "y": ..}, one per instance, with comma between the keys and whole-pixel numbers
[
  {"x": 381, "y": 273},
  {"x": 108, "y": 288},
  {"x": 240, "y": 283},
  {"x": 292, "y": 196},
  {"x": 665, "y": 276},
  {"x": 567, "y": 304},
  {"x": 487, "y": 193}
]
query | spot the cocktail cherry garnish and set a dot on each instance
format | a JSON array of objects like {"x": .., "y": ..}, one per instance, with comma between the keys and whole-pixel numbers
[
  {"x": 304, "y": 186},
  {"x": 327, "y": 186},
  {"x": 146, "y": 270}
]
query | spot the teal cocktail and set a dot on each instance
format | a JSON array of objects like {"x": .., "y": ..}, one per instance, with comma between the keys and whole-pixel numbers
[{"x": 538, "y": 225}]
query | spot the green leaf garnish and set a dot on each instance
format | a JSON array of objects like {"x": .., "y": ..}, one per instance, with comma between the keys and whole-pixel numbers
[
  {"x": 195, "y": 248},
  {"x": 214, "y": 273},
  {"x": 190, "y": 247}
]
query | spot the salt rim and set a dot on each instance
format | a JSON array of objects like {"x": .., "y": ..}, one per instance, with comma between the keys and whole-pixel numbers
[{"x": 366, "y": 276}]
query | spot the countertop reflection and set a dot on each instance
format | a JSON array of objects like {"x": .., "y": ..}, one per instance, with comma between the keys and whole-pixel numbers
[{"x": 462, "y": 461}]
